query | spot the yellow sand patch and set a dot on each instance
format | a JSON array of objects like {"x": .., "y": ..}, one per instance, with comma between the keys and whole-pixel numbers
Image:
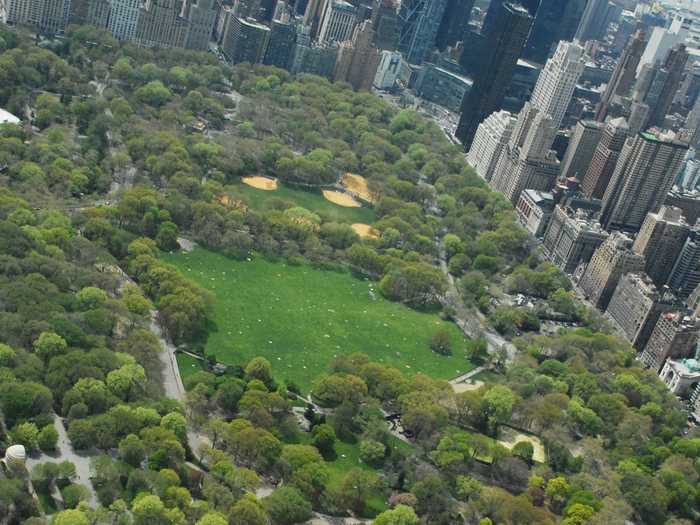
[
  {"x": 341, "y": 199},
  {"x": 261, "y": 183},
  {"x": 365, "y": 231},
  {"x": 510, "y": 437},
  {"x": 357, "y": 184}
]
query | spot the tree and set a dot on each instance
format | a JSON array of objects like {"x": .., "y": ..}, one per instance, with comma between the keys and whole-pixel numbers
[
  {"x": 441, "y": 342},
  {"x": 259, "y": 368},
  {"x": 49, "y": 344},
  {"x": 323, "y": 438},
  {"x": 177, "y": 423},
  {"x": 90, "y": 298},
  {"x": 127, "y": 382},
  {"x": 557, "y": 491},
  {"x": 497, "y": 404},
  {"x": 26, "y": 434},
  {"x": 166, "y": 239},
  {"x": 149, "y": 510},
  {"x": 70, "y": 517},
  {"x": 401, "y": 515},
  {"x": 47, "y": 438},
  {"x": 357, "y": 486},
  {"x": 154, "y": 94},
  {"x": 132, "y": 450},
  {"x": 212, "y": 518},
  {"x": 524, "y": 450},
  {"x": 299, "y": 455},
  {"x": 287, "y": 506},
  {"x": 73, "y": 494},
  {"x": 372, "y": 452},
  {"x": 247, "y": 511},
  {"x": 578, "y": 514}
]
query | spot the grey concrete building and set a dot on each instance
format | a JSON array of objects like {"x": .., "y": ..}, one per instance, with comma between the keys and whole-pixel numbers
[
  {"x": 582, "y": 145},
  {"x": 675, "y": 336}
]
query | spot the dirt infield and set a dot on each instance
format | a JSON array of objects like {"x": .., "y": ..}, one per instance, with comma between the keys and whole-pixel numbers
[
  {"x": 365, "y": 231},
  {"x": 357, "y": 184},
  {"x": 341, "y": 199},
  {"x": 261, "y": 183}
]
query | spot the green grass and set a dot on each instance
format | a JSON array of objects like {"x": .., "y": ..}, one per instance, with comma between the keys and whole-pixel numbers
[
  {"x": 315, "y": 202},
  {"x": 300, "y": 318},
  {"x": 489, "y": 376},
  {"x": 188, "y": 365}
]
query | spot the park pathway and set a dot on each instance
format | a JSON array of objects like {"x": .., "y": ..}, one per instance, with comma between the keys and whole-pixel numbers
[
  {"x": 65, "y": 452},
  {"x": 466, "y": 377}
]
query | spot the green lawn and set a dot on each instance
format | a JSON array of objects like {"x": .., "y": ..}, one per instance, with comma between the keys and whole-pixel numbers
[
  {"x": 300, "y": 318},
  {"x": 310, "y": 200},
  {"x": 188, "y": 365}
]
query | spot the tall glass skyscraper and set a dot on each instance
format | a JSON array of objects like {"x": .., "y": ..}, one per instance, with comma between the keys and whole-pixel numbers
[{"x": 420, "y": 21}]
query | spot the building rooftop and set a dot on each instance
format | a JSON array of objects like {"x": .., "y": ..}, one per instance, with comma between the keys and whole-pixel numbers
[
  {"x": 461, "y": 78},
  {"x": 690, "y": 368}
]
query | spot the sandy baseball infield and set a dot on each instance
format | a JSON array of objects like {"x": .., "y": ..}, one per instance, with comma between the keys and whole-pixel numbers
[
  {"x": 357, "y": 184},
  {"x": 365, "y": 231},
  {"x": 261, "y": 183},
  {"x": 341, "y": 199}
]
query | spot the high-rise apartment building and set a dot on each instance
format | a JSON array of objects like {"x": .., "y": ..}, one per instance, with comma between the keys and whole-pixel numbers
[
  {"x": 635, "y": 307},
  {"x": 571, "y": 238},
  {"x": 605, "y": 158},
  {"x": 685, "y": 274},
  {"x": 25, "y": 12},
  {"x": 454, "y": 23},
  {"x": 358, "y": 60},
  {"x": 582, "y": 146},
  {"x": 556, "y": 20},
  {"x": 280, "y": 48},
  {"x": 660, "y": 241},
  {"x": 644, "y": 174},
  {"x": 661, "y": 41},
  {"x": 596, "y": 18},
  {"x": 673, "y": 68},
  {"x": 419, "y": 21},
  {"x": 503, "y": 44},
  {"x": 337, "y": 22},
  {"x": 491, "y": 138},
  {"x": 624, "y": 74},
  {"x": 123, "y": 18},
  {"x": 675, "y": 336},
  {"x": 613, "y": 259},
  {"x": 244, "y": 40}
]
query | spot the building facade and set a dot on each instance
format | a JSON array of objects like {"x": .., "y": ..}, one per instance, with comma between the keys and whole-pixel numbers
[
  {"x": 685, "y": 273},
  {"x": 582, "y": 146},
  {"x": 123, "y": 19},
  {"x": 419, "y": 23},
  {"x": 675, "y": 336},
  {"x": 244, "y": 40},
  {"x": 613, "y": 259},
  {"x": 280, "y": 48},
  {"x": 681, "y": 377},
  {"x": 644, "y": 174},
  {"x": 660, "y": 241},
  {"x": 337, "y": 22},
  {"x": 534, "y": 209},
  {"x": 571, "y": 238},
  {"x": 635, "y": 307},
  {"x": 491, "y": 138},
  {"x": 605, "y": 158},
  {"x": 443, "y": 87}
]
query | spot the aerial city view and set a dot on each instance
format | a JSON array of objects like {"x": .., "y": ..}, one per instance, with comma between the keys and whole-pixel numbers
[{"x": 343, "y": 262}]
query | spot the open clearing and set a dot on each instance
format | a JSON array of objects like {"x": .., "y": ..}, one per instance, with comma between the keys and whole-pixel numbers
[
  {"x": 357, "y": 184},
  {"x": 365, "y": 231},
  {"x": 313, "y": 201},
  {"x": 300, "y": 318},
  {"x": 260, "y": 183},
  {"x": 510, "y": 437},
  {"x": 341, "y": 199}
]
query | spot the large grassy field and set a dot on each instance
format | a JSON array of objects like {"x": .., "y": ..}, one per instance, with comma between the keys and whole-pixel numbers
[
  {"x": 300, "y": 318},
  {"x": 315, "y": 202}
]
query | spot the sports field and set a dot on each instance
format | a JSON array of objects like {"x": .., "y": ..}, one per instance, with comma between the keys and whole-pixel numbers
[
  {"x": 300, "y": 318},
  {"x": 314, "y": 202}
]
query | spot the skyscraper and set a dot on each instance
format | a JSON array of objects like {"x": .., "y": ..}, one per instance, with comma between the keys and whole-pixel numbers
[
  {"x": 661, "y": 41},
  {"x": 385, "y": 22},
  {"x": 673, "y": 66},
  {"x": 624, "y": 75},
  {"x": 644, "y": 174},
  {"x": 504, "y": 44},
  {"x": 660, "y": 241},
  {"x": 593, "y": 24},
  {"x": 605, "y": 158},
  {"x": 454, "y": 23},
  {"x": 420, "y": 21},
  {"x": 556, "y": 20},
  {"x": 557, "y": 81},
  {"x": 613, "y": 259},
  {"x": 337, "y": 22},
  {"x": 582, "y": 146}
]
